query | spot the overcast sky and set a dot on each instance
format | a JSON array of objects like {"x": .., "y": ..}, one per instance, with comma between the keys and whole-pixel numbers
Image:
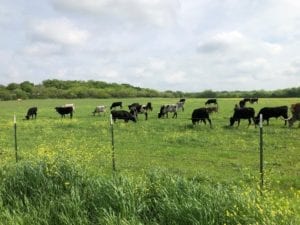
[{"x": 185, "y": 45}]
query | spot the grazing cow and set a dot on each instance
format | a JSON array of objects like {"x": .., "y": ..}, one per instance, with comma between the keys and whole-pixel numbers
[
  {"x": 65, "y": 110},
  {"x": 269, "y": 112},
  {"x": 123, "y": 115},
  {"x": 242, "y": 113},
  {"x": 137, "y": 108},
  {"x": 116, "y": 104},
  {"x": 252, "y": 100},
  {"x": 165, "y": 109},
  {"x": 295, "y": 110},
  {"x": 212, "y": 109},
  {"x": 200, "y": 114},
  {"x": 247, "y": 100},
  {"x": 242, "y": 103},
  {"x": 32, "y": 112},
  {"x": 210, "y": 101},
  {"x": 99, "y": 109}
]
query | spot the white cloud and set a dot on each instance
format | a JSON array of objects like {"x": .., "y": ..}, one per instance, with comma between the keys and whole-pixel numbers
[
  {"x": 61, "y": 31},
  {"x": 156, "y": 12}
]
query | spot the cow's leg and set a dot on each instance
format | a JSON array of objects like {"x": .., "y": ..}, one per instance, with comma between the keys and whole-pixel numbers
[
  {"x": 238, "y": 122},
  {"x": 204, "y": 121},
  {"x": 209, "y": 120},
  {"x": 175, "y": 115},
  {"x": 249, "y": 122},
  {"x": 146, "y": 116},
  {"x": 267, "y": 121},
  {"x": 71, "y": 115}
]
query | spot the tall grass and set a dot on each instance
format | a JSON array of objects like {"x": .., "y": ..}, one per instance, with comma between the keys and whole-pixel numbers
[{"x": 61, "y": 193}]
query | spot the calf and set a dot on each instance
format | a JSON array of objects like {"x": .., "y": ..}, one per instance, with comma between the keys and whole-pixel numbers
[
  {"x": 269, "y": 112},
  {"x": 32, "y": 112},
  {"x": 200, "y": 114},
  {"x": 99, "y": 109},
  {"x": 123, "y": 115},
  {"x": 210, "y": 101},
  {"x": 165, "y": 109},
  {"x": 116, "y": 104},
  {"x": 242, "y": 113},
  {"x": 295, "y": 110},
  {"x": 64, "y": 110}
]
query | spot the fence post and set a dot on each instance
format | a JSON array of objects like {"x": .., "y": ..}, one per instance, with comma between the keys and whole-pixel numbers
[
  {"x": 15, "y": 134},
  {"x": 112, "y": 144},
  {"x": 261, "y": 170}
]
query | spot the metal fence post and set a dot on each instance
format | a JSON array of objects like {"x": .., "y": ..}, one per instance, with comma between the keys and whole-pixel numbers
[
  {"x": 15, "y": 134},
  {"x": 261, "y": 170},
  {"x": 112, "y": 144}
]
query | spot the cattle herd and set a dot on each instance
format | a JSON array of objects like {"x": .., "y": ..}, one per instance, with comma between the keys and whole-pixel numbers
[{"x": 198, "y": 115}]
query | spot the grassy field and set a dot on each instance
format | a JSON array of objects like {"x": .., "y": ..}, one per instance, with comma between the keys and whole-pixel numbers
[{"x": 218, "y": 155}]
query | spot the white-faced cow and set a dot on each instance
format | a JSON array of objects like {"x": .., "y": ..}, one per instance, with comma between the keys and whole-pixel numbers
[
  {"x": 123, "y": 115},
  {"x": 211, "y": 101},
  {"x": 165, "y": 109},
  {"x": 99, "y": 109},
  {"x": 200, "y": 114},
  {"x": 64, "y": 111},
  {"x": 295, "y": 110},
  {"x": 31, "y": 112},
  {"x": 116, "y": 104},
  {"x": 242, "y": 113},
  {"x": 269, "y": 112}
]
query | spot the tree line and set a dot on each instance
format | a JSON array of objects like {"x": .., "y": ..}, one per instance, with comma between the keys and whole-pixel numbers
[{"x": 98, "y": 89}]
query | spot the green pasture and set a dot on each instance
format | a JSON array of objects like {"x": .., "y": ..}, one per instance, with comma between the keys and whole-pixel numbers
[
  {"x": 220, "y": 153},
  {"x": 167, "y": 170}
]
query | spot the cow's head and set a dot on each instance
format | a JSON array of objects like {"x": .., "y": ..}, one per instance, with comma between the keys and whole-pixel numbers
[{"x": 231, "y": 120}]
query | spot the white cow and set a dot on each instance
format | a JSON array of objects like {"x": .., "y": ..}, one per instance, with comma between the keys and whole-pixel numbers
[{"x": 99, "y": 109}]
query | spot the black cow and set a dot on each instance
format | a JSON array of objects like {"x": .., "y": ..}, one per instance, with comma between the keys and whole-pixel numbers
[
  {"x": 210, "y": 101},
  {"x": 242, "y": 113},
  {"x": 247, "y": 100},
  {"x": 65, "y": 110},
  {"x": 242, "y": 103},
  {"x": 252, "y": 100},
  {"x": 200, "y": 114},
  {"x": 123, "y": 115},
  {"x": 32, "y": 112},
  {"x": 269, "y": 112},
  {"x": 116, "y": 104}
]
